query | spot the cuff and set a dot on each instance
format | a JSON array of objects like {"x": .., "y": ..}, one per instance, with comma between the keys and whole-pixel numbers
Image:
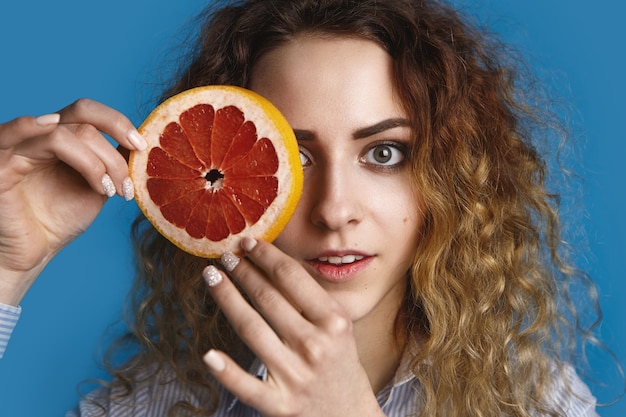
[{"x": 9, "y": 315}]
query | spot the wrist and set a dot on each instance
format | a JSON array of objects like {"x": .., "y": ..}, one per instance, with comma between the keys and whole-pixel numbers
[{"x": 15, "y": 284}]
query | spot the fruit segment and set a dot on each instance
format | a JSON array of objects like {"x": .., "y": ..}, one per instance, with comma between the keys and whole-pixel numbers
[
  {"x": 197, "y": 126},
  {"x": 228, "y": 121},
  {"x": 176, "y": 144},
  {"x": 210, "y": 175}
]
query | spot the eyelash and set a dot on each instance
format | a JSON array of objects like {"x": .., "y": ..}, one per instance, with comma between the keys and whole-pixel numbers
[
  {"x": 395, "y": 146},
  {"x": 403, "y": 149}
]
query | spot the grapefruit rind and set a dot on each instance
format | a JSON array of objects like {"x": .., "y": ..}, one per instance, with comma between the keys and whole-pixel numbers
[{"x": 269, "y": 122}]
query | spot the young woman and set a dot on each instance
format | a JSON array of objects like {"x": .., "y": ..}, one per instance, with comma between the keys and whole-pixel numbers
[{"x": 421, "y": 273}]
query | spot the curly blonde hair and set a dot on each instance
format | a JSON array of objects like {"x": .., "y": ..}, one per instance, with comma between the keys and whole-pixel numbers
[{"x": 488, "y": 299}]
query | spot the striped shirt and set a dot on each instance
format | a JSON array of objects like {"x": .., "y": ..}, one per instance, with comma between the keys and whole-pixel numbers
[
  {"x": 400, "y": 398},
  {"x": 154, "y": 399},
  {"x": 8, "y": 319}
]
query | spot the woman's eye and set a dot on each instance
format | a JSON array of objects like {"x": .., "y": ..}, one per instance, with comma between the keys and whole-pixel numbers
[
  {"x": 385, "y": 154},
  {"x": 305, "y": 159}
]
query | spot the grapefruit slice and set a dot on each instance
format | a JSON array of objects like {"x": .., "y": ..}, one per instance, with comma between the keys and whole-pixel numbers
[{"x": 222, "y": 163}]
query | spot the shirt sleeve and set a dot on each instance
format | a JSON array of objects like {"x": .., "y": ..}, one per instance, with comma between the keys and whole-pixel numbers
[
  {"x": 9, "y": 316},
  {"x": 573, "y": 396},
  {"x": 151, "y": 397}
]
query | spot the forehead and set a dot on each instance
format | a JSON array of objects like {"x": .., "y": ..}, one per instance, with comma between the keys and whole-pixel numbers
[
  {"x": 307, "y": 55},
  {"x": 336, "y": 73}
]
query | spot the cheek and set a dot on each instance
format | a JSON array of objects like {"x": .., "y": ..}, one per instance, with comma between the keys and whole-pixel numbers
[
  {"x": 401, "y": 218},
  {"x": 403, "y": 221},
  {"x": 286, "y": 240},
  {"x": 400, "y": 205},
  {"x": 300, "y": 223},
  {"x": 294, "y": 230}
]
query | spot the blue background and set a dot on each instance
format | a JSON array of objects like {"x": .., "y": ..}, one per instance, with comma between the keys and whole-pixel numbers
[{"x": 55, "y": 52}]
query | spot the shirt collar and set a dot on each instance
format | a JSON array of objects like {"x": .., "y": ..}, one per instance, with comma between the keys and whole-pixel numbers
[{"x": 403, "y": 375}]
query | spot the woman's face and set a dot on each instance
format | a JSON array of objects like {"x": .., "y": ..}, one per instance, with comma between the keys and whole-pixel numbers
[{"x": 358, "y": 223}]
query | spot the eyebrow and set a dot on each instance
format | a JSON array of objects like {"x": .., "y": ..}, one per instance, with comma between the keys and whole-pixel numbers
[
  {"x": 380, "y": 127},
  {"x": 364, "y": 132}
]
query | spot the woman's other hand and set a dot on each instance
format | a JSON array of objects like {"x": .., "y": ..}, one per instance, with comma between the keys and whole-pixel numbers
[{"x": 56, "y": 172}]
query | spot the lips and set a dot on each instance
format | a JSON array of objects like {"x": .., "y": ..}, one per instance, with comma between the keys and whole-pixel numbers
[{"x": 340, "y": 267}]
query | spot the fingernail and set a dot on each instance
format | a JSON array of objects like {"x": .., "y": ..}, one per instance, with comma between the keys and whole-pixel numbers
[
  {"x": 128, "y": 189},
  {"x": 108, "y": 186},
  {"x": 48, "y": 119},
  {"x": 248, "y": 243},
  {"x": 230, "y": 261},
  {"x": 137, "y": 140},
  {"x": 214, "y": 361},
  {"x": 212, "y": 276}
]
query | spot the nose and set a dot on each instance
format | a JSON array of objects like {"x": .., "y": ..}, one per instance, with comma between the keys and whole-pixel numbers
[{"x": 336, "y": 197}]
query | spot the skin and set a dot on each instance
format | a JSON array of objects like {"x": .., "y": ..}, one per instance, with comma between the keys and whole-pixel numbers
[
  {"x": 51, "y": 170},
  {"x": 325, "y": 336},
  {"x": 325, "y": 332}
]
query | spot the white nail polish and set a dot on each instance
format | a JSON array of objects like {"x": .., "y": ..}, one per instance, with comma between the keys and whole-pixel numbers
[
  {"x": 214, "y": 361},
  {"x": 48, "y": 119},
  {"x": 212, "y": 276},
  {"x": 137, "y": 140},
  {"x": 230, "y": 261},
  {"x": 128, "y": 189},
  {"x": 108, "y": 186},
  {"x": 248, "y": 243}
]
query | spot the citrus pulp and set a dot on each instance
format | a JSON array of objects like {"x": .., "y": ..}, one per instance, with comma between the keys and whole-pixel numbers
[{"x": 221, "y": 163}]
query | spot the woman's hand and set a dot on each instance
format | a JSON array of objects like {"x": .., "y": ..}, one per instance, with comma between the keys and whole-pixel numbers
[
  {"x": 56, "y": 172},
  {"x": 302, "y": 335}
]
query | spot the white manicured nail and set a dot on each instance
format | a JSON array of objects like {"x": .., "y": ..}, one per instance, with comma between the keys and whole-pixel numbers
[
  {"x": 248, "y": 243},
  {"x": 211, "y": 276},
  {"x": 128, "y": 189},
  {"x": 137, "y": 140},
  {"x": 230, "y": 261},
  {"x": 107, "y": 186},
  {"x": 48, "y": 119},
  {"x": 214, "y": 361}
]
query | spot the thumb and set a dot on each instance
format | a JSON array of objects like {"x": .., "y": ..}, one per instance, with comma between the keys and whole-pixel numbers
[{"x": 17, "y": 130}]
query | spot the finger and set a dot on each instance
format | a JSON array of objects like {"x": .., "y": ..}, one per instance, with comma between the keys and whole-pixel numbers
[
  {"x": 17, "y": 130},
  {"x": 105, "y": 119},
  {"x": 283, "y": 315},
  {"x": 253, "y": 330},
  {"x": 115, "y": 164},
  {"x": 248, "y": 388},
  {"x": 63, "y": 144},
  {"x": 78, "y": 154},
  {"x": 313, "y": 301}
]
